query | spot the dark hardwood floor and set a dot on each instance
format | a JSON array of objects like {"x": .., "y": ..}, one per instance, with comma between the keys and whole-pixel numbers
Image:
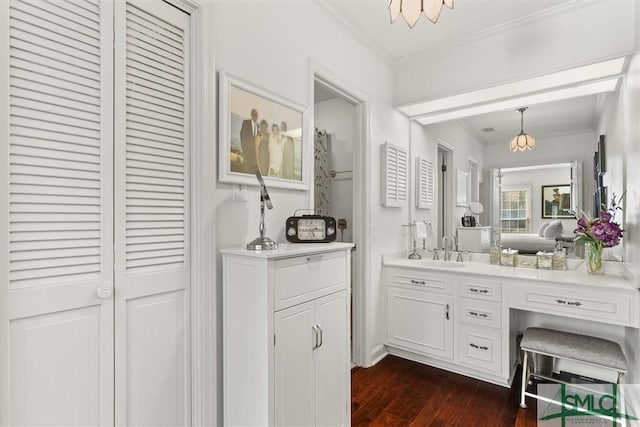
[{"x": 398, "y": 392}]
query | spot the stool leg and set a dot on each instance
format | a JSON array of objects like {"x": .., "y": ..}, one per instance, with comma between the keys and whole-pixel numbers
[{"x": 525, "y": 379}]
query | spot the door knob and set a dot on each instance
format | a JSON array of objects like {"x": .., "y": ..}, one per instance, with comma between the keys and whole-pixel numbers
[{"x": 104, "y": 291}]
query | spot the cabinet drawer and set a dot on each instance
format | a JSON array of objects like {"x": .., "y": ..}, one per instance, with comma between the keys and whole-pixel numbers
[
  {"x": 308, "y": 277},
  {"x": 602, "y": 306},
  {"x": 483, "y": 313},
  {"x": 479, "y": 347},
  {"x": 423, "y": 280},
  {"x": 488, "y": 290}
]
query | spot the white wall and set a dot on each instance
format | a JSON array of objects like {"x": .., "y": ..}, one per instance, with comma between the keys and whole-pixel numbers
[
  {"x": 619, "y": 122},
  {"x": 582, "y": 34},
  {"x": 273, "y": 45},
  {"x": 559, "y": 149},
  {"x": 337, "y": 117},
  {"x": 534, "y": 180}
]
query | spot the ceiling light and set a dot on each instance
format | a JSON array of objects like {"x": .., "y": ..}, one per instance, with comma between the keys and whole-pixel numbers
[
  {"x": 522, "y": 141},
  {"x": 412, "y": 9}
]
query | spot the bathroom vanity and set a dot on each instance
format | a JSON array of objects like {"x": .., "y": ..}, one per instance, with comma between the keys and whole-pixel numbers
[
  {"x": 464, "y": 317},
  {"x": 286, "y": 318}
]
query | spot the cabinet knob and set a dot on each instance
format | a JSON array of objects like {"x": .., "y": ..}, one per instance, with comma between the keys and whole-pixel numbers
[{"x": 104, "y": 291}]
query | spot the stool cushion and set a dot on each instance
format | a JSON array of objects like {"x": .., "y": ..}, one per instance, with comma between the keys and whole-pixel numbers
[{"x": 584, "y": 348}]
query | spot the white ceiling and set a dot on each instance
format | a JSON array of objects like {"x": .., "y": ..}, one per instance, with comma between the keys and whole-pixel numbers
[
  {"x": 540, "y": 121},
  {"x": 469, "y": 18},
  {"x": 369, "y": 19}
]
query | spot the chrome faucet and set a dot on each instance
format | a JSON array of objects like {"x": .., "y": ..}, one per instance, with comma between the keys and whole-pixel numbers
[{"x": 446, "y": 249}]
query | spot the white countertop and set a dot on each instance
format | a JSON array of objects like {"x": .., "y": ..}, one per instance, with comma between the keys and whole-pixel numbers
[
  {"x": 579, "y": 276},
  {"x": 286, "y": 250}
]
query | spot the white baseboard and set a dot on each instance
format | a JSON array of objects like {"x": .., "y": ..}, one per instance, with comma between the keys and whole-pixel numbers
[{"x": 377, "y": 354}]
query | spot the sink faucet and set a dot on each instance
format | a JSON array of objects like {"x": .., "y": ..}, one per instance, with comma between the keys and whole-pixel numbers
[{"x": 446, "y": 249}]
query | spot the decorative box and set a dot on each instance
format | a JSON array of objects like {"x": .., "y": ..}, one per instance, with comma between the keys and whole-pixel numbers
[
  {"x": 527, "y": 261},
  {"x": 545, "y": 260},
  {"x": 509, "y": 257}
]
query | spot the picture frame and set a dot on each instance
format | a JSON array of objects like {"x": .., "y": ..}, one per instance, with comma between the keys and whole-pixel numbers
[
  {"x": 556, "y": 201},
  {"x": 260, "y": 127},
  {"x": 462, "y": 188}
]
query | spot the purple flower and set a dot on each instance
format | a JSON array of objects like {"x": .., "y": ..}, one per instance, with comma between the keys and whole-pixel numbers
[{"x": 605, "y": 216}]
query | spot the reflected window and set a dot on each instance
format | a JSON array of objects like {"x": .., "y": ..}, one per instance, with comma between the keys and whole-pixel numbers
[{"x": 515, "y": 212}]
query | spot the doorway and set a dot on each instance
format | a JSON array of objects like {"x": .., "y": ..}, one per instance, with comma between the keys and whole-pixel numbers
[{"x": 339, "y": 120}]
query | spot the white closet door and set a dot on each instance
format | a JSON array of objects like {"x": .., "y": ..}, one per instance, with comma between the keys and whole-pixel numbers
[
  {"x": 151, "y": 214},
  {"x": 56, "y": 309}
]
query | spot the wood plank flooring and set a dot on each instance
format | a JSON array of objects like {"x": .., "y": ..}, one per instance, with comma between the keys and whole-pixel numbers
[{"x": 398, "y": 392}]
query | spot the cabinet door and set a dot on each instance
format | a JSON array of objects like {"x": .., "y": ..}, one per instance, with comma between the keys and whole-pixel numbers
[
  {"x": 294, "y": 365},
  {"x": 420, "y": 322},
  {"x": 332, "y": 361}
]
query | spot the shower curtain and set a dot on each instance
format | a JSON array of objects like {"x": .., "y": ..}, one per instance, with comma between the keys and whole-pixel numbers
[{"x": 322, "y": 173}]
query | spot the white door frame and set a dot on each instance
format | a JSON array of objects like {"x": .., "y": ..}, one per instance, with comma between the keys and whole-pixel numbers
[
  {"x": 204, "y": 319},
  {"x": 205, "y": 360},
  {"x": 362, "y": 336},
  {"x": 450, "y": 206}
]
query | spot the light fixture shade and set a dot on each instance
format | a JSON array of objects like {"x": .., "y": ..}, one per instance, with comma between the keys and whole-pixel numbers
[
  {"x": 523, "y": 142},
  {"x": 394, "y": 9},
  {"x": 448, "y": 3},
  {"x": 432, "y": 9},
  {"x": 411, "y": 11}
]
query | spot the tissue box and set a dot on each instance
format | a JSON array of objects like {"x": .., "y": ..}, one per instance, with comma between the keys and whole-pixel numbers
[{"x": 509, "y": 257}]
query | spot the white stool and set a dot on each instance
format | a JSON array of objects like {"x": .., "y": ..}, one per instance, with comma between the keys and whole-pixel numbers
[{"x": 594, "y": 351}]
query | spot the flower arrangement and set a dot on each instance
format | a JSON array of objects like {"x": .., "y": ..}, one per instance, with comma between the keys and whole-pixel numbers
[{"x": 599, "y": 233}]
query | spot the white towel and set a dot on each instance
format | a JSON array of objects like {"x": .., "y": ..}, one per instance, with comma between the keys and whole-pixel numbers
[{"x": 421, "y": 230}]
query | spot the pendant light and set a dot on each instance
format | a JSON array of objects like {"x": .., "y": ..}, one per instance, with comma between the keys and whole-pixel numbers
[
  {"x": 411, "y": 10},
  {"x": 522, "y": 141}
]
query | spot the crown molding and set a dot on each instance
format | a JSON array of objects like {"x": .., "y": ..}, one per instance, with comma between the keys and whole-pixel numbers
[
  {"x": 369, "y": 42},
  {"x": 503, "y": 27}
]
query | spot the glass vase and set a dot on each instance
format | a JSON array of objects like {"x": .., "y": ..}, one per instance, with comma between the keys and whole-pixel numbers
[{"x": 593, "y": 258}]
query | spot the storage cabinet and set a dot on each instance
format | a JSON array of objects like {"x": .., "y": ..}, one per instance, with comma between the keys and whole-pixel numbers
[
  {"x": 474, "y": 239},
  {"x": 419, "y": 313},
  {"x": 286, "y": 336}
]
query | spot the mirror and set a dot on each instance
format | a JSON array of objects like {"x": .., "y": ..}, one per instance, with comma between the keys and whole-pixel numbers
[{"x": 534, "y": 206}]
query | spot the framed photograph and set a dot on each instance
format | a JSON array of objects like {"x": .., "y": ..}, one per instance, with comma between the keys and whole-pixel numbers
[
  {"x": 260, "y": 128},
  {"x": 556, "y": 201}
]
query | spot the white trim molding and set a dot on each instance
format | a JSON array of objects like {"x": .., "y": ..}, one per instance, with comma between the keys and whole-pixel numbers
[{"x": 204, "y": 314}]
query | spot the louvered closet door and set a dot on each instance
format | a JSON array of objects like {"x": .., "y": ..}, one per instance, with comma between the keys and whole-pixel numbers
[
  {"x": 55, "y": 305},
  {"x": 152, "y": 214}
]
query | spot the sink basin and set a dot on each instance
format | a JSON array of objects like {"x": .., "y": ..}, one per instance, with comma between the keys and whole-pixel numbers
[{"x": 440, "y": 264}]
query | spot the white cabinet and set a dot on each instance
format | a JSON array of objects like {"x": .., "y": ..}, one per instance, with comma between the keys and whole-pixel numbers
[
  {"x": 419, "y": 312},
  {"x": 474, "y": 239},
  {"x": 286, "y": 336},
  {"x": 420, "y": 321}
]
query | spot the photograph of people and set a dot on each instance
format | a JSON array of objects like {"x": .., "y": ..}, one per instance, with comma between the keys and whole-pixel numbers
[
  {"x": 262, "y": 144},
  {"x": 248, "y": 134},
  {"x": 275, "y": 152},
  {"x": 287, "y": 152}
]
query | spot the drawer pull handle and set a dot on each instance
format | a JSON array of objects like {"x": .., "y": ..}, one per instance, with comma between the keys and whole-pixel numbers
[
  {"x": 320, "y": 329},
  {"x": 479, "y": 347},
  {"x": 314, "y": 258},
  {"x": 476, "y": 314},
  {"x": 478, "y": 291},
  {"x": 446, "y": 313},
  {"x": 418, "y": 282},
  {"x": 574, "y": 303}
]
